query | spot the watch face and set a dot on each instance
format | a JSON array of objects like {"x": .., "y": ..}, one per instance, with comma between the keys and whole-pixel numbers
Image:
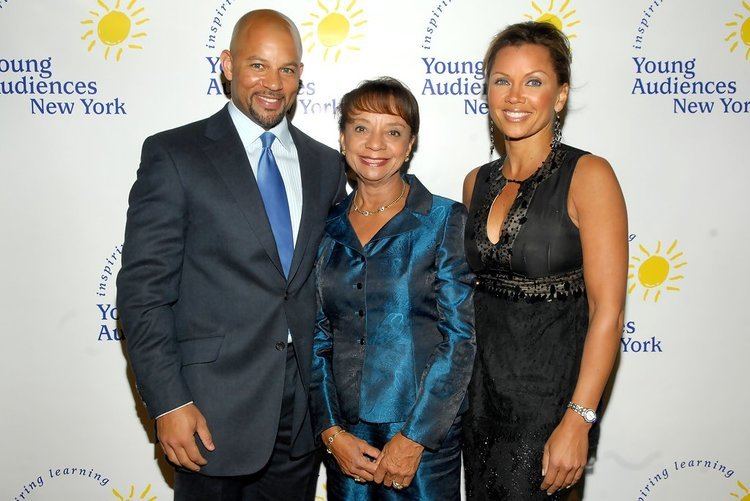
[{"x": 589, "y": 416}]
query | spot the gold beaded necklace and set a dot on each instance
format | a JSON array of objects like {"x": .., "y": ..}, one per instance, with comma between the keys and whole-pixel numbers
[{"x": 380, "y": 209}]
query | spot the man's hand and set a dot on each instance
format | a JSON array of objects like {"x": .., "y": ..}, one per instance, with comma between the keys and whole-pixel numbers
[
  {"x": 355, "y": 457},
  {"x": 399, "y": 462},
  {"x": 176, "y": 431}
]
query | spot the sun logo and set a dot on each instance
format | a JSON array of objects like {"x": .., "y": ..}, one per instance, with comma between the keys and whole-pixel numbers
[
  {"x": 740, "y": 31},
  {"x": 560, "y": 19},
  {"x": 114, "y": 27},
  {"x": 131, "y": 494},
  {"x": 653, "y": 269},
  {"x": 335, "y": 29},
  {"x": 746, "y": 497}
]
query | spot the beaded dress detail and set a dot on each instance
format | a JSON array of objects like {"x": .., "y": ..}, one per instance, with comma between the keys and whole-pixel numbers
[{"x": 531, "y": 323}]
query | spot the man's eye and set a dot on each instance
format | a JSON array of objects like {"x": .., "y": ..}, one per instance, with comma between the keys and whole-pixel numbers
[
  {"x": 288, "y": 71},
  {"x": 256, "y": 66}
]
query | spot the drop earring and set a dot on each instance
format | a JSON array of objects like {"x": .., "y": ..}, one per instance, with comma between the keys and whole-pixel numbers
[
  {"x": 556, "y": 132},
  {"x": 492, "y": 137}
]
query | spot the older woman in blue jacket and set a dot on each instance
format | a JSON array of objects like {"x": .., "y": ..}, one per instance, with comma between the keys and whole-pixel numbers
[{"x": 394, "y": 345}]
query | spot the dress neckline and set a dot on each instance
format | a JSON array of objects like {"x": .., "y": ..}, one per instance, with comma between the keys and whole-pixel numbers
[{"x": 501, "y": 251}]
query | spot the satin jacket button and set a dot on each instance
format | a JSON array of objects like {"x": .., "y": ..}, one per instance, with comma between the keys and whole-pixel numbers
[
  {"x": 280, "y": 345},
  {"x": 361, "y": 313},
  {"x": 361, "y": 340}
]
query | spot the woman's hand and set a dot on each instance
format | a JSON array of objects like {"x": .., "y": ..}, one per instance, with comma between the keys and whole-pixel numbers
[
  {"x": 398, "y": 463},
  {"x": 355, "y": 457},
  {"x": 565, "y": 453}
]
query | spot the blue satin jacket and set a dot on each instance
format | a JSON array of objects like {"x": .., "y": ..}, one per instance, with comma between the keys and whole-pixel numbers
[{"x": 394, "y": 340}]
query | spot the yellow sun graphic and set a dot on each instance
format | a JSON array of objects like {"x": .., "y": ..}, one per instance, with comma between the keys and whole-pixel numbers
[
  {"x": 740, "y": 31},
  {"x": 562, "y": 19},
  {"x": 114, "y": 27},
  {"x": 334, "y": 28},
  {"x": 746, "y": 497},
  {"x": 654, "y": 269},
  {"x": 131, "y": 494}
]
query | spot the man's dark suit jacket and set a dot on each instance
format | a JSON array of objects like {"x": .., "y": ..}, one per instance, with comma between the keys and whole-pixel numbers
[{"x": 202, "y": 297}]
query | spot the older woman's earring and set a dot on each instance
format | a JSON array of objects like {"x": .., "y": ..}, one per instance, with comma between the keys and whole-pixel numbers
[
  {"x": 343, "y": 151},
  {"x": 556, "y": 132},
  {"x": 492, "y": 136}
]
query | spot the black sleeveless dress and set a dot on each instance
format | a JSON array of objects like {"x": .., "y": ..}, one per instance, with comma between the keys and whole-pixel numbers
[{"x": 531, "y": 323}]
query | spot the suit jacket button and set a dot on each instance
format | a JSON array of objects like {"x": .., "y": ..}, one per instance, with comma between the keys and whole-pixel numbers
[
  {"x": 361, "y": 313},
  {"x": 359, "y": 285},
  {"x": 361, "y": 340},
  {"x": 286, "y": 296},
  {"x": 280, "y": 345}
]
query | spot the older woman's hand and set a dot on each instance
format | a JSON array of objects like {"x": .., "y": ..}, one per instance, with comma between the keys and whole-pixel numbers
[
  {"x": 398, "y": 462},
  {"x": 354, "y": 456}
]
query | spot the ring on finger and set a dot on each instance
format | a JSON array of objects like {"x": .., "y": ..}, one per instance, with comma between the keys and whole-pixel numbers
[
  {"x": 397, "y": 486},
  {"x": 359, "y": 479}
]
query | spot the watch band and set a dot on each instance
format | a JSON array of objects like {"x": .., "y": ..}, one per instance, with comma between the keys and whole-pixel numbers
[{"x": 588, "y": 415}]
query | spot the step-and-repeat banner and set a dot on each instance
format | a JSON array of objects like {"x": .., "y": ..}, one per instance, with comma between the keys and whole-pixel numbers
[{"x": 660, "y": 89}]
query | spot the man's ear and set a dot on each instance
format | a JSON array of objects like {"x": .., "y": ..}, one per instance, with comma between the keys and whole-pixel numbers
[{"x": 226, "y": 64}]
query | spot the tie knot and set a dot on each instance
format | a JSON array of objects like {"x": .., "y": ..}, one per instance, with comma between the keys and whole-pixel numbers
[{"x": 267, "y": 139}]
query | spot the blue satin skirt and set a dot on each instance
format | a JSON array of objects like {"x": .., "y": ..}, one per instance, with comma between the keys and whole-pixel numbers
[{"x": 438, "y": 476}]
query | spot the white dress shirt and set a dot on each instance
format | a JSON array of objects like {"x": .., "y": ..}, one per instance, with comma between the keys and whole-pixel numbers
[{"x": 285, "y": 153}]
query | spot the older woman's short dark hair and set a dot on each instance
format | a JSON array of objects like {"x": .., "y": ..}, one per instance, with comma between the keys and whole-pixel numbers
[
  {"x": 535, "y": 33},
  {"x": 382, "y": 95}
]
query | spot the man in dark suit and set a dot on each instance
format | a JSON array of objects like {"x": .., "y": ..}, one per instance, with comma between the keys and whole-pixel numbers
[{"x": 215, "y": 293}]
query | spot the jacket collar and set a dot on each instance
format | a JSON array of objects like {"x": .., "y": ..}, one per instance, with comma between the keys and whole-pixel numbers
[{"x": 418, "y": 203}]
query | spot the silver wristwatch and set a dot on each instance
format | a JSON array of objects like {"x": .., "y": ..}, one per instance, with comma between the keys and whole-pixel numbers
[{"x": 588, "y": 415}]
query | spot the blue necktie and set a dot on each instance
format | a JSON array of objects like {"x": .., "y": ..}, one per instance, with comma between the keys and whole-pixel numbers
[{"x": 274, "y": 198}]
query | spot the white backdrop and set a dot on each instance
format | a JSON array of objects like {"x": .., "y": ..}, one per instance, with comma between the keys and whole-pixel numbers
[{"x": 660, "y": 89}]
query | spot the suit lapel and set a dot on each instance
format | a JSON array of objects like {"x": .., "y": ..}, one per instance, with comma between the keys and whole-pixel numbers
[
  {"x": 309, "y": 164},
  {"x": 229, "y": 158}
]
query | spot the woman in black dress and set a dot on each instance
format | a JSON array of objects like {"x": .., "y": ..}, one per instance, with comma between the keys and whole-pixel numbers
[{"x": 547, "y": 238}]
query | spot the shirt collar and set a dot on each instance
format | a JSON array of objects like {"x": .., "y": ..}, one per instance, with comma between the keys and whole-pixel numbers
[{"x": 250, "y": 131}]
